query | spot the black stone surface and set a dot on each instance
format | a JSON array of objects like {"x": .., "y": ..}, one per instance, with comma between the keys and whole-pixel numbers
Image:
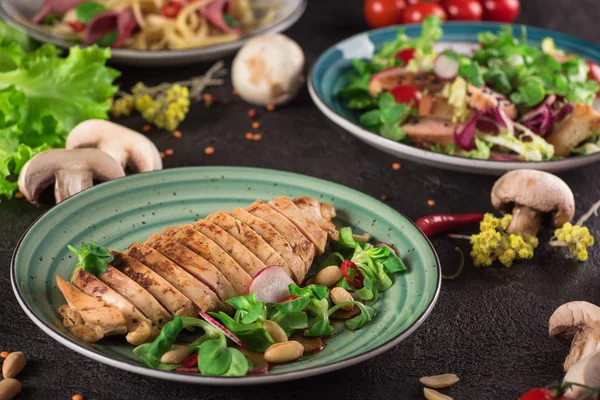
[{"x": 489, "y": 326}]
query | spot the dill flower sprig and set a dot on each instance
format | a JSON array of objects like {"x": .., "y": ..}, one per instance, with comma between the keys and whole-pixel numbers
[{"x": 166, "y": 105}]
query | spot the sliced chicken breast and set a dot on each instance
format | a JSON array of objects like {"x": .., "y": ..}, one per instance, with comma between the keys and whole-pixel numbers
[
  {"x": 306, "y": 225},
  {"x": 194, "y": 264},
  {"x": 137, "y": 295},
  {"x": 430, "y": 131},
  {"x": 321, "y": 213},
  {"x": 484, "y": 98},
  {"x": 253, "y": 242},
  {"x": 200, "y": 294},
  {"x": 244, "y": 257},
  {"x": 139, "y": 327},
  {"x": 171, "y": 298},
  {"x": 275, "y": 240},
  {"x": 301, "y": 245},
  {"x": 210, "y": 251},
  {"x": 87, "y": 317}
]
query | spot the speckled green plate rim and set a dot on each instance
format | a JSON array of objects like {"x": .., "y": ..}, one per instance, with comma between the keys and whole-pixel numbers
[{"x": 220, "y": 172}]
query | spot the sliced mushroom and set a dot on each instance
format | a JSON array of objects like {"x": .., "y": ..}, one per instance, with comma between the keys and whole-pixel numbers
[
  {"x": 530, "y": 196},
  {"x": 126, "y": 146},
  {"x": 585, "y": 372},
  {"x": 580, "y": 320},
  {"x": 71, "y": 171}
]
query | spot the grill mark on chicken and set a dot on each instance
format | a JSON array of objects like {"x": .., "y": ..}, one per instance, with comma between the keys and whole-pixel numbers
[
  {"x": 250, "y": 239},
  {"x": 300, "y": 244},
  {"x": 210, "y": 251},
  {"x": 274, "y": 239}
]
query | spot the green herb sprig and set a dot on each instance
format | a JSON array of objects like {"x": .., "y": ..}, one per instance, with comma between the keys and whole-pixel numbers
[{"x": 92, "y": 258}]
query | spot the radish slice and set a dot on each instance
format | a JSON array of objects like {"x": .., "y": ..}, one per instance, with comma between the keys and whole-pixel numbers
[
  {"x": 391, "y": 247},
  {"x": 220, "y": 327},
  {"x": 445, "y": 67},
  {"x": 260, "y": 365},
  {"x": 271, "y": 284},
  {"x": 311, "y": 344}
]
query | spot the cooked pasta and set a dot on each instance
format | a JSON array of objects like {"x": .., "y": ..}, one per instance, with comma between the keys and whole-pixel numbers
[{"x": 156, "y": 24}]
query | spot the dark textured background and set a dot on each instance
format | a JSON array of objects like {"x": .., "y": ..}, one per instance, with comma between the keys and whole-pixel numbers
[{"x": 489, "y": 326}]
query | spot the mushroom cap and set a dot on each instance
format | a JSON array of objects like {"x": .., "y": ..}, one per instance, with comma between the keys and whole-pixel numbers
[
  {"x": 538, "y": 190},
  {"x": 126, "y": 146},
  {"x": 41, "y": 171},
  {"x": 268, "y": 69},
  {"x": 569, "y": 317}
]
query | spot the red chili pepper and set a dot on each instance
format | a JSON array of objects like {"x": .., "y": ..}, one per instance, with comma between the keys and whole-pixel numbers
[
  {"x": 190, "y": 361},
  {"x": 172, "y": 9},
  {"x": 288, "y": 298},
  {"x": 76, "y": 26},
  {"x": 357, "y": 281},
  {"x": 432, "y": 225}
]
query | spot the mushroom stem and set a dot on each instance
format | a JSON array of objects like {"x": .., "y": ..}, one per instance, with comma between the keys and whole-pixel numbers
[
  {"x": 585, "y": 342},
  {"x": 70, "y": 182},
  {"x": 526, "y": 221}
]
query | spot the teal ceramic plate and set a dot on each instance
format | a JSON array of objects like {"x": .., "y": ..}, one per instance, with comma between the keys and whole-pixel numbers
[
  {"x": 122, "y": 211},
  {"x": 328, "y": 76}
]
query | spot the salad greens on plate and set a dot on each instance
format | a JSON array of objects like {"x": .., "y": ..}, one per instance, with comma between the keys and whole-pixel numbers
[{"x": 508, "y": 99}]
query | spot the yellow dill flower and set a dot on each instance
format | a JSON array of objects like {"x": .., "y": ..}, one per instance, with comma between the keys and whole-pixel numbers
[
  {"x": 122, "y": 106},
  {"x": 576, "y": 238}
]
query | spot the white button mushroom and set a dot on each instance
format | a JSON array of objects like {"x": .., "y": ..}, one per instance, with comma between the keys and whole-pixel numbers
[
  {"x": 71, "y": 171},
  {"x": 268, "y": 70},
  {"x": 580, "y": 320},
  {"x": 585, "y": 372},
  {"x": 531, "y": 195},
  {"x": 126, "y": 146}
]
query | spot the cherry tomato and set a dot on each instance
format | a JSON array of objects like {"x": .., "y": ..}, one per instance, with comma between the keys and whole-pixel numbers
[
  {"x": 406, "y": 94},
  {"x": 411, "y": 2},
  {"x": 416, "y": 13},
  {"x": 594, "y": 73},
  {"x": 405, "y": 55},
  {"x": 540, "y": 394},
  {"x": 380, "y": 13},
  {"x": 500, "y": 10},
  {"x": 464, "y": 10},
  {"x": 172, "y": 9}
]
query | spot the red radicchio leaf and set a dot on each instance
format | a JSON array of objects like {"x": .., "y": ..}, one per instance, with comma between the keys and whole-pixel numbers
[
  {"x": 466, "y": 139},
  {"x": 102, "y": 24},
  {"x": 55, "y": 7},
  {"x": 213, "y": 12}
]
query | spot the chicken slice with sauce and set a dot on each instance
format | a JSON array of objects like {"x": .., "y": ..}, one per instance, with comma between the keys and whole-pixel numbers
[
  {"x": 171, "y": 298},
  {"x": 137, "y": 295},
  {"x": 210, "y": 251},
  {"x": 306, "y": 225},
  {"x": 244, "y": 257},
  {"x": 252, "y": 240},
  {"x": 87, "y": 317},
  {"x": 301, "y": 245},
  {"x": 200, "y": 294},
  {"x": 483, "y": 99},
  {"x": 321, "y": 213},
  {"x": 139, "y": 328},
  {"x": 275, "y": 240},
  {"x": 430, "y": 131},
  {"x": 194, "y": 264}
]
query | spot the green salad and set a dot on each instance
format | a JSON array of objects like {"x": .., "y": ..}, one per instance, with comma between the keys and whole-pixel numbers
[{"x": 507, "y": 99}]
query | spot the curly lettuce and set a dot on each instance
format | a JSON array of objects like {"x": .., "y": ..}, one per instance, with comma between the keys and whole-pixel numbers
[{"x": 43, "y": 96}]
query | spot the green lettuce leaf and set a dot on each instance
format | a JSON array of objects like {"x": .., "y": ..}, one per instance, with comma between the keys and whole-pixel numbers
[{"x": 43, "y": 96}]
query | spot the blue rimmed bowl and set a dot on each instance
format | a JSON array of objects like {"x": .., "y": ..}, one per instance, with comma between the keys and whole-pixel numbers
[{"x": 329, "y": 74}]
